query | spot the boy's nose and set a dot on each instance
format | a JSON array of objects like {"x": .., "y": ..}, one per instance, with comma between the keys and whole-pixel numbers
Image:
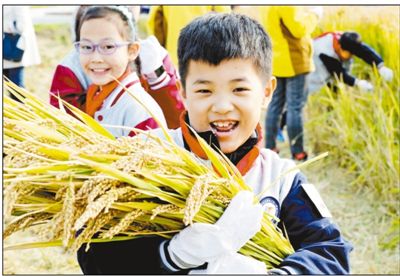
[{"x": 222, "y": 106}]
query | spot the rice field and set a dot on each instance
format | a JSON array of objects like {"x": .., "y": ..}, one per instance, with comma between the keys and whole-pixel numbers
[
  {"x": 361, "y": 130},
  {"x": 359, "y": 180}
]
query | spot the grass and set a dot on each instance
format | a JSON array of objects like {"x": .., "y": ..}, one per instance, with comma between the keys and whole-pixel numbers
[{"x": 360, "y": 131}]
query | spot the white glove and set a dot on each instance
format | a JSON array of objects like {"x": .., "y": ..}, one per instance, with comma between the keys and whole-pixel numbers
[
  {"x": 386, "y": 73},
  {"x": 202, "y": 242},
  {"x": 233, "y": 263},
  {"x": 364, "y": 85},
  {"x": 151, "y": 55},
  {"x": 318, "y": 10},
  {"x": 241, "y": 220}
]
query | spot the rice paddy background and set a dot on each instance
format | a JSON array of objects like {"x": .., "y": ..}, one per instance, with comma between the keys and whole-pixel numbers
[{"x": 359, "y": 180}]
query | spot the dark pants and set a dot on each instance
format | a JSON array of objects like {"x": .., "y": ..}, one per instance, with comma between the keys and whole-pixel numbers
[
  {"x": 289, "y": 91},
  {"x": 16, "y": 75}
]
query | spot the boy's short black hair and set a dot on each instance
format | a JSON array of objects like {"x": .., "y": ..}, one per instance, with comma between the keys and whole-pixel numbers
[{"x": 215, "y": 37}]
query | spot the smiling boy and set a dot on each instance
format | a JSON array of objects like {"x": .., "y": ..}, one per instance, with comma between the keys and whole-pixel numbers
[
  {"x": 225, "y": 67},
  {"x": 224, "y": 101}
]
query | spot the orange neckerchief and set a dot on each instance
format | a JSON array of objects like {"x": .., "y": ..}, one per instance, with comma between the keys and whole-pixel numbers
[
  {"x": 96, "y": 94},
  {"x": 244, "y": 164},
  {"x": 336, "y": 44}
]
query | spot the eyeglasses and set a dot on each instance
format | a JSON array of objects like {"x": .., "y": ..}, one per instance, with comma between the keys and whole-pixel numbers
[{"x": 106, "y": 47}]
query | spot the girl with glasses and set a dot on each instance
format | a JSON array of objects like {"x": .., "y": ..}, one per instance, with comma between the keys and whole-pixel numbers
[{"x": 108, "y": 48}]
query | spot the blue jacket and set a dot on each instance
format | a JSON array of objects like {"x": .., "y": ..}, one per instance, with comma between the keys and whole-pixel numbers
[{"x": 320, "y": 248}]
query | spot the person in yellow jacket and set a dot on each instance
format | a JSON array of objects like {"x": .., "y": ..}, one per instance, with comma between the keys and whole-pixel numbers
[
  {"x": 165, "y": 23},
  {"x": 290, "y": 28}
]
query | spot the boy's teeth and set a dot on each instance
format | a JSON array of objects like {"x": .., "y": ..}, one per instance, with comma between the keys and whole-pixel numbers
[
  {"x": 223, "y": 126},
  {"x": 219, "y": 124}
]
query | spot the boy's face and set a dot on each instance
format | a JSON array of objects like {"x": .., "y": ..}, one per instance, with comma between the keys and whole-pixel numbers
[{"x": 226, "y": 99}]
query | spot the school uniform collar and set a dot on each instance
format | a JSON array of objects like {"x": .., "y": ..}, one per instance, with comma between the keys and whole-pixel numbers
[
  {"x": 335, "y": 41},
  {"x": 127, "y": 82},
  {"x": 243, "y": 158},
  {"x": 96, "y": 94},
  {"x": 336, "y": 44}
]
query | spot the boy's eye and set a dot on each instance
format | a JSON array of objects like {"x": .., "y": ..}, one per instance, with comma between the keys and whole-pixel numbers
[
  {"x": 240, "y": 89},
  {"x": 203, "y": 91}
]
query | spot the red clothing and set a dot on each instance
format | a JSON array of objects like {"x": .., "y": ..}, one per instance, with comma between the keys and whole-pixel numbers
[
  {"x": 167, "y": 97},
  {"x": 68, "y": 85}
]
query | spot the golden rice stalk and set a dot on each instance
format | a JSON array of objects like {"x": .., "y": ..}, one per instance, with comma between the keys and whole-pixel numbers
[
  {"x": 84, "y": 185},
  {"x": 123, "y": 224},
  {"x": 68, "y": 211},
  {"x": 166, "y": 208},
  {"x": 198, "y": 194}
]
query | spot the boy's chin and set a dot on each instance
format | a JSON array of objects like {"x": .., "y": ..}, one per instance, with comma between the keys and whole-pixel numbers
[{"x": 228, "y": 148}]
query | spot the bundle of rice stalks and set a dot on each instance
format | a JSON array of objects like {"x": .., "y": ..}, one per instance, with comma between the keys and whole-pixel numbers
[{"x": 69, "y": 175}]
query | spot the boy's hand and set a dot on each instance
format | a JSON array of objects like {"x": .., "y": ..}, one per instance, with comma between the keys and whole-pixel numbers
[
  {"x": 233, "y": 263},
  {"x": 241, "y": 219},
  {"x": 202, "y": 242}
]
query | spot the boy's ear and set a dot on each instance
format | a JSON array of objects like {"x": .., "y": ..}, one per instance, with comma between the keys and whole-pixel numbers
[
  {"x": 270, "y": 87},
  {"x": 181, "y": 90},
  {"x": 133, "y": 50},
  {"x": 269, "y": 91}
]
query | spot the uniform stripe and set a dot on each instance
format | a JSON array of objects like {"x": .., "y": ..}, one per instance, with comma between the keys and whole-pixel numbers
[
  {"x": 165, "y": 257},
  {"x": 123, "y": 91}
]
